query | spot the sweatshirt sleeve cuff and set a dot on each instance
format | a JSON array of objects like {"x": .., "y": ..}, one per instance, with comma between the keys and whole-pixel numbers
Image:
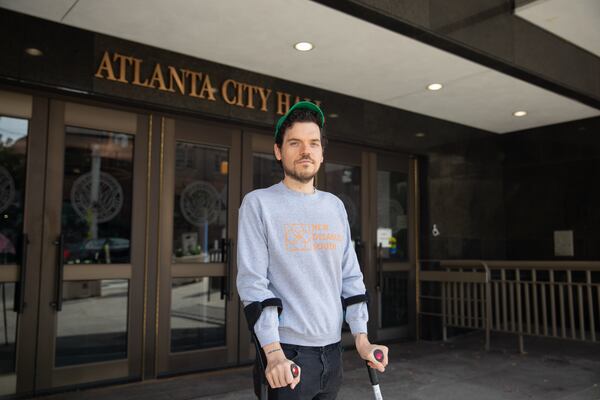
[
  {"x": 267, "y": 327},
  {"x": 357, "y": 327},
  {"x": 357, "y": 316},
  {"x": 267, "y": 337}
]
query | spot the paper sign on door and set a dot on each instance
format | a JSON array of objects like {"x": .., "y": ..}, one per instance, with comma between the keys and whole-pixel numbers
[{"x": 383, "y": 237}]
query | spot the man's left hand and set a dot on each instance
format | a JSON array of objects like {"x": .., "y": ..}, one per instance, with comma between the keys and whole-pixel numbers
[{"x": 365, "y": 350}]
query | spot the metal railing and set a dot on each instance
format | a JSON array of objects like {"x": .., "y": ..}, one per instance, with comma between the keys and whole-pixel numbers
[{"x": 557, "y": 299}]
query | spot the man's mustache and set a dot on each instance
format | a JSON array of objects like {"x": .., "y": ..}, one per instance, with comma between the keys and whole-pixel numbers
[{"x": 306, "y": 158}]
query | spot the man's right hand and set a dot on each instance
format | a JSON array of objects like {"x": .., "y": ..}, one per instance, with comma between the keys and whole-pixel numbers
[{"x": 279, "y": 371}]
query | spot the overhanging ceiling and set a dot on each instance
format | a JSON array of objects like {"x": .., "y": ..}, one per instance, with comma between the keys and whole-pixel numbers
[
  {"x": 575, "y": 21},
  {"x": 351, "y": 56}
]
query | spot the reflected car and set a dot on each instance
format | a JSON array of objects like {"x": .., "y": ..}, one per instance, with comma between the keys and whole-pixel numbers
[{"x": 100, "y": 251}]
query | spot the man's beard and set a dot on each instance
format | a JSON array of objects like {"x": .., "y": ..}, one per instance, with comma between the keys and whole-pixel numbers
[{"x": 302, "y": 177}]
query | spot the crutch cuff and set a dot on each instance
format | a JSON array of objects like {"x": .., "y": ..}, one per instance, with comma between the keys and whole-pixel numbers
[
  {"x": 359, "y": 298},
  {"x": 253, "y": 310}
]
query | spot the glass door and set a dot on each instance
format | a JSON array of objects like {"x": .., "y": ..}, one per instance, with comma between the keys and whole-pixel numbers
[
  {"x": 22, "y": 158},
  {"x": 260, "y": 170},
  {"x": 344, "y": 175},
  {"x": 13, "y": 160},
  {"x": 92, "y": 269},
  {"x": 393, "y": 253},
  {"x": 263, "y": 168},
  {"x": 198, "y": 307}
]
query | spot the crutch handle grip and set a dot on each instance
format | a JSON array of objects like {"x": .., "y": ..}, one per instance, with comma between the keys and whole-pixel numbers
[
  {"x": 378, "y": 354},
  {"x": 372, "y": 375},
  {"x": 295, "y": 370}
]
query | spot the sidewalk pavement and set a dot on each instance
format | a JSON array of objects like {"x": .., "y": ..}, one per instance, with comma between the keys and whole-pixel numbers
[{"x": 457, "y": 370}]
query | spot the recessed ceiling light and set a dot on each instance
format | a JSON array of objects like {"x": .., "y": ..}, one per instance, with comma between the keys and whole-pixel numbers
[
  {"x": 32, "y": 51},
  {"x": 420, "y": 134},
  {"x": 435, "y": 86},
  {"x": 303, "y": 46},
  {"x": 333, "y": 115},
  {"x": 520, "y": 113}
]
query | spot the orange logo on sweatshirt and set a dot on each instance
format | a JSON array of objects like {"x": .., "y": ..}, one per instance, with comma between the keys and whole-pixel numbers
[{"x": 308, "y": 237}]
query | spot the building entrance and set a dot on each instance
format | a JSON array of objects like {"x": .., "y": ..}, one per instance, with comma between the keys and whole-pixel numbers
[
  {"x": 200, "y": 196},
  {"x": 73, "y": 243},
  {"x": 91, "y": 270},
  {"x": 118, "y": 240}
]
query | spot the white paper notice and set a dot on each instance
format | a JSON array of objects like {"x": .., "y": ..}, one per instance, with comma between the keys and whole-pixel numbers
[
  {"x": 383, "y": 237},
  {"x": 563, "y": 244}
]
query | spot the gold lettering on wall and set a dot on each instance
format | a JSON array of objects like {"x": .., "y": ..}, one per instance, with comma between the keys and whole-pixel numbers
[
  {"x": 158, "y": 79},
  {"x": 283, "y": 102},
  {"x": 264, "y": 95},
  {"x": 225, "y": 91},
  {"x": 194, "y": 78},
  {"x": 181, "y": 81},
  {"x": 207, "y": 89},
  {"x": 240, "y": 94},
  {"x": 137, "y": 63},
  {"x": 105, "y": 67},
  {"x": 250, "y": 96},
  {"x": 122, "y": 60}
]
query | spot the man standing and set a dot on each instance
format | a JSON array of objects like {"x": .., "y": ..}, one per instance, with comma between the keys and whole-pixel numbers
[{"x": 294, "y": 244}]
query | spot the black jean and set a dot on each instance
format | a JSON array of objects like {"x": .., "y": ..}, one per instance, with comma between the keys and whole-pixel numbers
[{"x": 322, "y": 373}]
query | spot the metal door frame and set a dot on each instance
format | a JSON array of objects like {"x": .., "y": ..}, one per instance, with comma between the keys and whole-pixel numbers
[
  {"x": 352, "y": 155},
  {"x": 403, "y": 163},
  {"x": 26, "y": 277},
  {"x": 211, "y": 134},
  {"x": 253, "y": 141},
  {"x": 48, "y": 377}
]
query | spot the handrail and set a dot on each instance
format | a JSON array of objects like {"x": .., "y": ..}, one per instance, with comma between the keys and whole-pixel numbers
[
  {"x": 511, "y": 264},
  {"x": 527, "y": 298}
]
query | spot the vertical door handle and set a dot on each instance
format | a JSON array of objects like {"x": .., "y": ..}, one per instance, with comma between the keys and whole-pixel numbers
[
  {"x": 229, "y": 267},
  {"x": 60, "y": 271},
  {"x": 379, "y": 267},
  {"x": 227, "y": 244},
  {"x": 358, "y": 249},
  {"x": 19, "y": 301}
]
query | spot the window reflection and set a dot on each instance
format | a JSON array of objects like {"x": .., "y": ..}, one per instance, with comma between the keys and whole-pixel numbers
[
  {"x": 96, "y": 215},
  {"x": 13, "y": 158},
  {"x": 8, "y": 332},
  {"x": 200, "y": 212},
  {"x": 344, "y": 181},
  {"x": 92, "y": 325},
  {"x": 197, "y": 313},
  {"x": 394, "y": 299},
  {"x": 392, "y": 219},
  {"x": 266, "y": 171}
]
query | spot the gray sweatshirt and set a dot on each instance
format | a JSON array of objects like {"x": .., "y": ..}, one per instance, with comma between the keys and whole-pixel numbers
[{"x": 297, "y": 247}]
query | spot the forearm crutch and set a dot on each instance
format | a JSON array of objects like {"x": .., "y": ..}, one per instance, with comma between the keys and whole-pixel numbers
[
  {"x": 378, "y": 354},
  {"x": 252, "y": 312}
]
